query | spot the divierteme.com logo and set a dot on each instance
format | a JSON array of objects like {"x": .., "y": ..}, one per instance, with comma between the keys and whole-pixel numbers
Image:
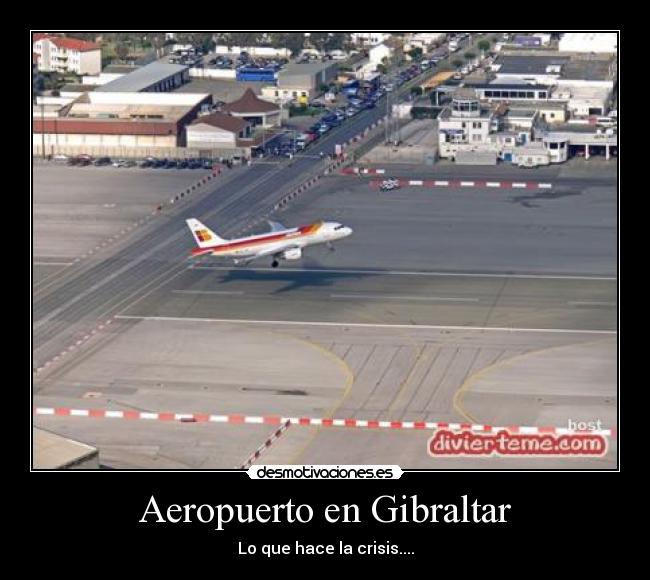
[{"x": 448, "y": 443}]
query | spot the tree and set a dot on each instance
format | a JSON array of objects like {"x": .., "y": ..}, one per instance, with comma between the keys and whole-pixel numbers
[
  {"x": 469, "y": 55},
  {"x": 291, "y": 40},
  {"x": 122, "y": 51},
  {"x": 242, "y": 38},
  {"x": 319, "y": 40},
  {"x": 417, "y": 91},
  {"x": 416, "y": 53},
  {"x": 457, "y": 62},
  {"x": 484, "y": 45}
]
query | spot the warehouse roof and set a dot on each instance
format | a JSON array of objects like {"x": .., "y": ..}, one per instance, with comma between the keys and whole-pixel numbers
[
  {"x": 143, "y": 77},
  {"x": 511, "y": 64},
  {"x": 249, "y": 102}
]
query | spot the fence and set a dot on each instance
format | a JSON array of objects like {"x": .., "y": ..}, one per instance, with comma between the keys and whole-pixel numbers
[{"x": 139, "y": 152}]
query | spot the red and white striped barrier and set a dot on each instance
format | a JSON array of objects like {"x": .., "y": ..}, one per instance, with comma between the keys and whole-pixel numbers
[
  {"x": 264, "y": 446},
  {"x": 456, "y": 183},
  {"x": 358, "y": 170},
  {"x": 304, "y": 421}
]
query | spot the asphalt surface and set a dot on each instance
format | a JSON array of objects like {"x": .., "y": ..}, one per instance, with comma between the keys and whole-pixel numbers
[{"x": 81, "y": 296}]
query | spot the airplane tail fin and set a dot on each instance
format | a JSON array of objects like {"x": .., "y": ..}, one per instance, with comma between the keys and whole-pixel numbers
[{"x": 203, "y": 236}]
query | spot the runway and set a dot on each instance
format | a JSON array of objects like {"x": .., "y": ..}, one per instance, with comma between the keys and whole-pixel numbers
[{"x": 356, "y": 297}]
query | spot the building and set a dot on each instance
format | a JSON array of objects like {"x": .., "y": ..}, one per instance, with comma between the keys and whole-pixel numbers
[
  {"x": 254, "y": 110},
  {"x": 157, "y": 77},
  {"x": 465, "y": 125},
  {"x": 378, "y": 53},
  {"x": 591, "y": 42},
  {"x": 425, "y": 40},
  {"x": 301, "y": 80},
  {"x": 217, "y": 130},
  {"x": 368, "y": 38},
  {"x": 125, "y": 124},
  {"x": 37, "y": 77},
  {"x": 512, "y": 92},
  {"x": 63, "y": 54},
  {"x": 569, "y": 140}
]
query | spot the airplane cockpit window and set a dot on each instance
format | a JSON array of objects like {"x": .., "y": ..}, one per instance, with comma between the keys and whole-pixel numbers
[{"x": 339, "y": 227}]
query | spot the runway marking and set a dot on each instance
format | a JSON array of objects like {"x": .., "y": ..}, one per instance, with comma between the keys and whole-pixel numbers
[
  {"x": 586, "y": 303},
  {"x": 264, "y": 446},
  {"x": 364, "y": 325},
  {"x": 410, "y": 273},
  {"x": 398, "y": 297},
  {"x": 224, "y": 292},
  {"x": 52, "y": 263},
  {"x": 238, "y": 419}
]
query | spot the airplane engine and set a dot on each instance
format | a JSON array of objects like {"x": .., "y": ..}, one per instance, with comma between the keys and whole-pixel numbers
[{"x": 292, "y": 254}]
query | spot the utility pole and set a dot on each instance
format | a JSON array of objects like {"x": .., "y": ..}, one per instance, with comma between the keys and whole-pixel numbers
[{"x": 43, "y": 129}]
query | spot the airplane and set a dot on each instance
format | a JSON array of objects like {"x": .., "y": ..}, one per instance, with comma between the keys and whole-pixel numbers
[{"x": 281, "y": 243}]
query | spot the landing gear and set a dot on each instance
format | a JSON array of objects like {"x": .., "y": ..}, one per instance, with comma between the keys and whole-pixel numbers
[
  {"x": 331, "y": 247},
  {"x": 275, "y": 264}
]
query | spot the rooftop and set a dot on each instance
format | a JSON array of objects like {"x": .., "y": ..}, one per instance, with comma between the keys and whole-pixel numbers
[
  {"x": 249, "y": 102},
  {"x": 511, "y": 64},
  {"x": 67, "y": 43},
  {"x": 222, "y": 121},
  {"x": 143, "y": 77},
  {"x": 445, "y": 114},
  {"x": 52, "y": 451},
  {"x": 588, "y": 69},
  {"x": 521, "y": 113}
]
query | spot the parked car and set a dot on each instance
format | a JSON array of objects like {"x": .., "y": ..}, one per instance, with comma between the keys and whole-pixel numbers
[
  {"x": 102, "y": 161},
  {"x": 182, "y": 164},
  {"x": 145, "y": 163}
]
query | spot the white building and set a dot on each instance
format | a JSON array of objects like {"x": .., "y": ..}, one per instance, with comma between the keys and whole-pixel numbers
[
  {"x": 598, "y": 42},
  {"x": 424, "y": 40},
  {"x": 62, "y": 54},
  {"x": 217, "y": 131},
  {"x": 368, "y": 38},
  {"x": 378, "y": 53},
  {"x": 465, "y": 126}
]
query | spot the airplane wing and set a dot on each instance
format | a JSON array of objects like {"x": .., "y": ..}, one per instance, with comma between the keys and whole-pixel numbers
[{"x": 276, "y": 226}]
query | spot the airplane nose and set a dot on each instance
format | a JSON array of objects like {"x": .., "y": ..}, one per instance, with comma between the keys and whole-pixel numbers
[{"x": 348, "y": 231}]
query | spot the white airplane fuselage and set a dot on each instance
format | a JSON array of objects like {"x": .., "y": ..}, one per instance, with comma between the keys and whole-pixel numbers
[{"x": 280, "y": 243}]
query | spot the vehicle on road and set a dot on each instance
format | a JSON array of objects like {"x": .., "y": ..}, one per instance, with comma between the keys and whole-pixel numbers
[
  {"x": 389, "y": 184},
  {"x": 280, "y": 243},
  {"x": 100, "y": 161}
]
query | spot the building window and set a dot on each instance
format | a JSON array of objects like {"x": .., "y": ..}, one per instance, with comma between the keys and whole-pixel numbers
[
  {"x": 530, "y": 95},
  {"x": 552, "y": 115},
  {"x": 542, "y": 94}
]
